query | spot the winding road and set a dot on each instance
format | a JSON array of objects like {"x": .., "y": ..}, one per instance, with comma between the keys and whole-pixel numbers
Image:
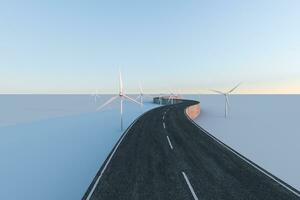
[{"x": 164, "y": 155}]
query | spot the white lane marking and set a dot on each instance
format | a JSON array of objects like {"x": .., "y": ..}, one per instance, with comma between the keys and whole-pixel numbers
[
  {"x": 170, "y": 144},
  {"x": 110, "y": 157},
  {"x": 163, "y": 117},
  {"x": 190, "y": 186},
  {"x": 288, "y": 187},
  {"x": 164, "y": 125}
]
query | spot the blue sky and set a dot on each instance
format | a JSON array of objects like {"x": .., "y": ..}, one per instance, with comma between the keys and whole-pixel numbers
[{"x": 78, "y": 46}]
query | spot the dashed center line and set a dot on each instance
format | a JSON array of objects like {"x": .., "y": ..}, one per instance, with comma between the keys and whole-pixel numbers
[
  {"x": 170, "y": 144},
  {"x": 190, "y": 186},
  {"x": 164, "y": 125}
]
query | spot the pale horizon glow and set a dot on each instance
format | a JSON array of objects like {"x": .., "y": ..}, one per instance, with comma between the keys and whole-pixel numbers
[{"x": 67, "y": 47}]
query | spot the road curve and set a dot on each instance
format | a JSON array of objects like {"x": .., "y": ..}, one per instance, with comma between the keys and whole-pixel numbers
[{"x": 164, "y": 155}]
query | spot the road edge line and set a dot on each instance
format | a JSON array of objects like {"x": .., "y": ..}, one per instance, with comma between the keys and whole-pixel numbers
[
  {"x": 256, "y": 166},
  {"x": 108, "y": 159}
]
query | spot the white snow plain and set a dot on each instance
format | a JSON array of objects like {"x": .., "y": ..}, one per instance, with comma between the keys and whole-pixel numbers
[
  {"x": 52, "y": 146},
  {"x": 263, "y": 128}
]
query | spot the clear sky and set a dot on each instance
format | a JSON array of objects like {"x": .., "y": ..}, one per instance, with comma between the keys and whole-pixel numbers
[{"x": 74, "y": 46}]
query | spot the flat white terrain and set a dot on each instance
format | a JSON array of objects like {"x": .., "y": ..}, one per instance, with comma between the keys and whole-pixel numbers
[
  {"x": 51, "y": 147},
  {"x": 264, "y": 128}
]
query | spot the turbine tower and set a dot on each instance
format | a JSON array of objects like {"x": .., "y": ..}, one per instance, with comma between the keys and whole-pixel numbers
[
  {"x": 95, "y": 95},
  {"x": 122, "y": 96},
  {"x": 173, "y": 96},
  {"x": 226, "y": 96},
  {"x": 142, "y": 95}
]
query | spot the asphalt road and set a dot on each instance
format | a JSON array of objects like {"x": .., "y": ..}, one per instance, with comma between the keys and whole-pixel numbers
[{"x": 164, "y": 155}]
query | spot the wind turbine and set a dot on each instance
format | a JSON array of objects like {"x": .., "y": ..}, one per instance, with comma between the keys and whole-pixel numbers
[
  {"x": 95, "y": 95},
  {"x": 172, "y": 96},
  {"x": 142, "y": 94},
  {"x": 226, "y": 95},
  {"x": 121, "y": 96}
]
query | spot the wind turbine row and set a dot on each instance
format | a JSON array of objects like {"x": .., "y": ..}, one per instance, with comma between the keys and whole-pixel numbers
[
  {"x": 121, "y": 96},
  {"x": 226, "y": 96}
]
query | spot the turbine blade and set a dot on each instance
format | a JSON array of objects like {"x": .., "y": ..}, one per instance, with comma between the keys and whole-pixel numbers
[
  {"x": 120, "y": 81},
  {"x": 107, "y": 102},
  {"x": 234, "y": 88},
  {"x": 132, "y": 99},
  {"x": 216, "y": 91},
  {"x": 139, "y": 96},
  {"x": 141, "y": 89}
]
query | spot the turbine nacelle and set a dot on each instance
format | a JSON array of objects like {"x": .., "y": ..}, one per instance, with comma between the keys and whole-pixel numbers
[{"x": 122, "y": 96}]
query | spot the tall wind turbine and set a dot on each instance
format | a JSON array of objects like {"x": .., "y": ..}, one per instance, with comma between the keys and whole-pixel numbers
[
  {"x": 122, "y": 96},
  {"x": 226, "y": 96},
  {"x": 96, "y": 95},
  {"x": 142, "y": 94},
  {"x": 173, "y": 96}
]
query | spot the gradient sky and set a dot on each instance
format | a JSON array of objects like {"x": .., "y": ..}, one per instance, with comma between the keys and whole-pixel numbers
[{"x": 59, "y": 46}]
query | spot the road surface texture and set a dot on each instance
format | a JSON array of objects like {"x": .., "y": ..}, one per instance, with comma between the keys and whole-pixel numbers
[{"x": 164, "y": 155}]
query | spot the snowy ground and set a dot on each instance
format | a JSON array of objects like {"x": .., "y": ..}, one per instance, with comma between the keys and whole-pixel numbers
[
  {"x": 51, "y": 147},
  {"x": 264, "y": 128}
]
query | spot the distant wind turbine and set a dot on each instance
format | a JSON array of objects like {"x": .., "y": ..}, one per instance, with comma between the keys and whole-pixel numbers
[
  {"x": 96, "y": 95},
  {"x": 172, "y": 96},
  {"x": 122, "y": 96},
  {"x": 226, "y": 95},
  {"x": 142, "y": 94}
]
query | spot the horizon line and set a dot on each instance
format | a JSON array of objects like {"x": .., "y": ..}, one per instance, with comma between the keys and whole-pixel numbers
[{"x": 147, "y": 93}]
